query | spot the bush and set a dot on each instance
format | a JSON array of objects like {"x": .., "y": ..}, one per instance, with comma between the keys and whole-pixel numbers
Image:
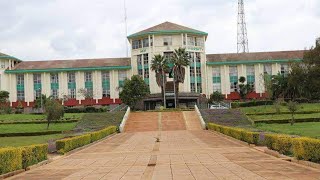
[
  {"x": 10, "y": 160},
  {"x": 250, "y": 104},
  {"x": 91, "y": 109},
  {"x": 280, "y": 143},
  {"x": 74, "y": 110},
  {"x": 307, "y": 149},
  {"x": 237, "y": 133},
  {"x": 68, "y": 144},
  {"x": 103, "y": 133},
  {"x": 33, "y": 154}
]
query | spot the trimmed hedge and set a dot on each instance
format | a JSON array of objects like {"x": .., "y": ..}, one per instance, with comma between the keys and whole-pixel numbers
[
  {"x": 285, "y": 121},
  {"x": 274, "y": 113},
  {"x": 12, "y": 159},
  {"x": 39, "y": 122},
  {"x": 303, "y": 148},
  {"x": 250, "y": 104},
  {"x": 237, "y": 133},
  {"x": 68, "y": 144},
  {"x": 30, "y": 133},
  {"x": 307, "y": 149},
  {"x": 88, "y": 109}
]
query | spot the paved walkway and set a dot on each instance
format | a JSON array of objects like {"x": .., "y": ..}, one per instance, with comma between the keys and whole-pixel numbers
[{"x": 180, "y": 154}]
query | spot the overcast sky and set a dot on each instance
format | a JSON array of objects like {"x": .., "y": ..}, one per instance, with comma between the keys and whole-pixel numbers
[{"x": 68, "y": 29}]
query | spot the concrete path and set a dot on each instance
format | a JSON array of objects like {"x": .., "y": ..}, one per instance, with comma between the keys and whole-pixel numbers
[{"x": 180, "y": 154}]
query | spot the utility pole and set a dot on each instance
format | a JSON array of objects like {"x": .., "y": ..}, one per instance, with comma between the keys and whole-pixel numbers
[
  {"x": 126, "y": 27},
  {"x": 242, "y": 36}
]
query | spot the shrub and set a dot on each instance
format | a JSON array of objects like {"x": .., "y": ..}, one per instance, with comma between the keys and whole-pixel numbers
[
  {"x": 91, "y": 109},
  {"x": 103, "y": 133},
  {"x": 280, "y": 143},
  {"x": 237, "y": 133},
  {"x": 68, "y": 144},
  {"x": 250, "y": 103},
  {"x": 10, "y": 160},
  {"x": 33, "y": 154},
  {"x": 307, "y": 149},
  {"x": 74, "y": 110}
]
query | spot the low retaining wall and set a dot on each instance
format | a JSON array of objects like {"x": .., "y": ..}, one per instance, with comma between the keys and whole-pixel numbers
[
  {"x": 124, "y": 120},
  {"x": 203, "y": 124}
]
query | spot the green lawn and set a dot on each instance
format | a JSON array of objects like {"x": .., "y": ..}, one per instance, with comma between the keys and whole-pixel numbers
[
  {"x": 27, "y": 140},
  {"x": 96, "y": 121},
  {"x": 15, "y": 128},
  {"x": 311, "y": 129},
  {"x": 27, "y": 117},
  {"x": 271, "y": 109},
  {"x": 284, "y": 116}
]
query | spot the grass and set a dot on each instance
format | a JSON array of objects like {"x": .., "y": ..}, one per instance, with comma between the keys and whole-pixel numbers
[
  {"x": 283, "y": 116},
  {"x": 27, "y": 140},
  {"x": 227, "y": 117},
  {"x": 15, "y": 128},
  {"x": 304, "y": 107},
  {"x": 96, "y": 121},
  {"x": 310, "y": 129},
  {"x": 27, "y": 117}
]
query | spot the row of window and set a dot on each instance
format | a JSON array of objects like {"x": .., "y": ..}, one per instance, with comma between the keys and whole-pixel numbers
[
  {"x": 71, "y": 79},
  {"x": 142, "y": 43}
]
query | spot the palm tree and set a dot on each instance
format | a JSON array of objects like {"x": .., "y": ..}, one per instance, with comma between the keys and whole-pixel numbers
[
  {"x": 160, "y": 65},
  {"x": 180, "y": 60}
]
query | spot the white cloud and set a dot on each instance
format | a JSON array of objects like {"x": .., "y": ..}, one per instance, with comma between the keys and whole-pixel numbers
[{"x": 60, "y": 29}]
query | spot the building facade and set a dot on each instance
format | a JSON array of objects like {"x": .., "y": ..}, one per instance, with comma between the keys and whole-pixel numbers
[{"x": 101, "y": 79}]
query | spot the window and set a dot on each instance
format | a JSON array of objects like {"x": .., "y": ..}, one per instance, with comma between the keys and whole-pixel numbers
[
  {"x": 199, "y": 41},
  {"x": 184, "y": 39},
  {"x": 136, "y": 44},
  {"x": 198, "y": 57},
  {"x": 105, "y": 92},
  {"x": 145, "y": 59},
  {"x": 36, "y": 78},
  {"x": 216, "y": 79},
  {"x": 3, "y": 64},
  {"x": 54, "y": 78},
  {"x": 151, "y": 41},
  {"x": 233, "y": 73},
  {"x": 20, "y": 95},
  {"x": 145, "y": 42},
  {"x": 284, "y": 69},
  {"x": 20, "y": 79},
  {"x": 71, "y": 77},
  {"x": 54, "y": 93},
  {"x": 139, "y": 60},
  {"x": 168, "y": 55},
  {"x": 191, "y": 54},
  {"x": 198, "y": 71},
  {"x": 199, "y": 87},
  {"x": 37, "y": 93},
  {"x": 267, "y": 69},
  {"x": 167, "y": 41},
  {"x": 191, "y": 41},
  {"x": 192, "y": 74},
  {"x": 250, "y": 76},
  {"x": 192, "y": 87},
  {"x": 88, "y": 76},
  {"x": 105, "y": 76},
  {"x": 140, "y": 72},
  {"x": 146, "y": 73},
  {"x": 122, "y": 75},
  {"x": 72, "y": 93}
]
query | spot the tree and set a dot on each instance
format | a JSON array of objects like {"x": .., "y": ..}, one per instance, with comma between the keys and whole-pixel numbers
[
  {"x": 87, "y": 94},
  {"x": 245, "y": 89},
  {"x": 4, "y": 102},
  {"x": 40, "y": 102},
  {"x": 54, "y": 110},
  {"x": 311, "y": 62},
  {"x": 160, "y": 65},
  {"x": 180, "y": 60},
  {"x": 292, "y": 107},
  {"x": 216, "y": 97},
  {"x": 133, "y": 91}
]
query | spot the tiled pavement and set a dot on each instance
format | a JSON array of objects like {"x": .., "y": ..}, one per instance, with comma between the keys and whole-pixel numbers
[{"x": 180, "y": 154}]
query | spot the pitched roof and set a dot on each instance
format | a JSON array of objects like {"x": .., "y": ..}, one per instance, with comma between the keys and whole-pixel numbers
[
  {"x": 167, "y": 27},
  {"x": 76, "y": 63},
  {"x": 5, "y": 56},
  {"x": 256, "y": 56}
]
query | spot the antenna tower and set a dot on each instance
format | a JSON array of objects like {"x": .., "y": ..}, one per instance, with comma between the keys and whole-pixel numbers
[
  {"x": 242, "y": 37},
  {"x": 126, "y": 27}
]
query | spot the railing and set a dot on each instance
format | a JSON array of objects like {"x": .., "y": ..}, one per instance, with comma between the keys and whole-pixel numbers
[
  {"x": 124, "y": 120},
  {"x": 120, "y": 107}
]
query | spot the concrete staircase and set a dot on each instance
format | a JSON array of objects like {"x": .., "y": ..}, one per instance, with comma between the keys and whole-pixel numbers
[{"x": 162, "y": 121}]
